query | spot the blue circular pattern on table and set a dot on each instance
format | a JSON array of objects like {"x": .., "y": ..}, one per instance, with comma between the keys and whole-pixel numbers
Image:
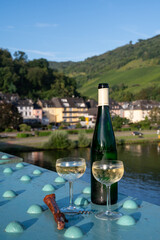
[
  {"x": 35, "y": 209},
  {"x": 8, "y": 170},
  {"x": 126, "y": 221},
  {"x": 25, "y": 178},
  {"x": 130, "y": 204},
  {"x": 9, "y": 194},
  {"x": 48, "y": 188},
  {"x": 87, "y": 190},
  {"x": 37, "y": 172},
  {"x": 81, "y": 201},
  {"x": 60, "y": 180},
  {"x": 19, "y": 165},
  {"x": 73, "y": 232},
  {"x": 14, "y": 227},
  {"x": 5, "y": 156}
]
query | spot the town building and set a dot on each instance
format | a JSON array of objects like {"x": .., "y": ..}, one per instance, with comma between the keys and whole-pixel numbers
[
  {"x": 25, "y": 108},
  {"x": 65, "y": 109},
  {"x": 51, "y": 113},
  {"x": 37, "y": 112},
  {"x": 115, "y": 108},
  {"x": 30, "y": 111},
  {"x": 71, "y": 109},
  {"x": 9, "y": 97},
  {"x": 137, "y": 111}
]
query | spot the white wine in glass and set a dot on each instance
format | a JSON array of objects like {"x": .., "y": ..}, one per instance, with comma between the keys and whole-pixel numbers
[
  {"x": 108, "y": 172},
  {"x": 71, "y": 169}
]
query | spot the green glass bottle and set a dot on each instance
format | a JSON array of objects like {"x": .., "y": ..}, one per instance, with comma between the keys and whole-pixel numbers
[{"x": 103, "y": 146}]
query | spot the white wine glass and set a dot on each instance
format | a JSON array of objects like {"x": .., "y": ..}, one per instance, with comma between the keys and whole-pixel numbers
[
  {"x": 108, "y": 172},
  {"x": 71, "y": 169}
]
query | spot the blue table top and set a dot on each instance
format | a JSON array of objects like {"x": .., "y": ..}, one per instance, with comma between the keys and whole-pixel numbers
[
  {"x": 7, "y": 158},
  {"x": 42, "y": 226}
]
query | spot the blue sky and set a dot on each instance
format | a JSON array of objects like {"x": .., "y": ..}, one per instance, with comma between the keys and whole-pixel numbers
[{"x": 62, "y": 30}]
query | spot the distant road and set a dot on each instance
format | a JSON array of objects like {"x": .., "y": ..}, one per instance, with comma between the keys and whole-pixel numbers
[{"x": 11, "y": 137}]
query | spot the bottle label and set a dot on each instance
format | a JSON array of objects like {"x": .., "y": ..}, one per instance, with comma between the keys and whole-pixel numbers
[{"x": 103, "y": 96}]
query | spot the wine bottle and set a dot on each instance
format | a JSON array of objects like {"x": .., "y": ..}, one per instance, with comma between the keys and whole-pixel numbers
[{"x": 103, "y": 146}]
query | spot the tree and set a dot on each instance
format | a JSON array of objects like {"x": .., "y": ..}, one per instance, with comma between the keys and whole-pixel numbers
[
  {"x": 118, "y": 122},
  {"x": 9, "y": 116},
  {"x": 155, "y": 115},
  {"x": 20, "y": 56},
  {"x": 42, "y": 63},
  {"x": 24, "y": 127},
  {"x": 82, "y": 118}
]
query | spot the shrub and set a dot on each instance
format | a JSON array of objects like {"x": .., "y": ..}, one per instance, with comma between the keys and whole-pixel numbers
[
  {"x": 120, "y": 141},
  {"x": 78, "y": 125},
  {"x": 8, "y": 130},
  {"x": 49, "y": 127},
  {"x": 42, "y": 134},
  {"x": 91, "y": 130},
  {"x": 58, "y": 140},
  {"x": 36, "y": 133},
  {"x": 116, "y": 129},
  {"x": 82, "y": 118},
  {"x": 72, "y": 144},
  {"x": 24, "y": 127},
  {"x": 23, "y": 135},
  {"x": 83, "y": 141},
  {"x": 125, "y": 129},
  {"x": 74, "y": 131}
]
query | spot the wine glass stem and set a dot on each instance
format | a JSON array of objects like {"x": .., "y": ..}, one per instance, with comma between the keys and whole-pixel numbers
[
  {"x": 70, "y": 193},
  {"x": 108, "y": 199}
]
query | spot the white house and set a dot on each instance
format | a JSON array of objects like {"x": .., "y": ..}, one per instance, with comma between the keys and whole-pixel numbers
[
  {"x": 25, "y": 107},
  {"x": 138, "y": 110}
]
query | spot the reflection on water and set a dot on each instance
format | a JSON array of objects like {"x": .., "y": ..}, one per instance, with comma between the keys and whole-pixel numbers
[
  {"x": 158, "y": 147},
  {"x": 142, "y": 167}
]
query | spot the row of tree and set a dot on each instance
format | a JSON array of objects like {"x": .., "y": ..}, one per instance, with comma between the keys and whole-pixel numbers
[
  {"x": 33, "y": 79},
  {"x": 152, "y": 121},
  {"x": 121, "y": 94}
]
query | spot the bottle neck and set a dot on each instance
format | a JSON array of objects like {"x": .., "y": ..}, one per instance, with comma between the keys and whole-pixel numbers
[{"x": 103, "y": 97}]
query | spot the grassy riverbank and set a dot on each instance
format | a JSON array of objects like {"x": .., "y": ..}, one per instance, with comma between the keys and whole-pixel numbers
[{"x": 14, "y": 144}]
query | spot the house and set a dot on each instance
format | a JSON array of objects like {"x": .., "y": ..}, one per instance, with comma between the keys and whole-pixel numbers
[
  {"x": 25, "y": 107},
  {"x": 138, "y": 110},
  {"x": 49, "y": 111},
  {"x": 37, "y": 112},
  {"x": 9, "y": 97},
  {"x": 115, "y": 108},
  {"x": 69, "y": 109},
  {"x": 65, "y": 109}
]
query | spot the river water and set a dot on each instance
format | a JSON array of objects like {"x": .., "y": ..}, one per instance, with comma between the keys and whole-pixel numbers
[{"x": 142, "y": 168}]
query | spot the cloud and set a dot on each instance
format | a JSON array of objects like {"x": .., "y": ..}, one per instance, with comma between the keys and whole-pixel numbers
[
  {"x": 135, "y": 32},
  {"x": 7, "y": 28},
  {"x": 10, "y": 27},
  {"x": 45, "y": 25},
  {"x": 157, "y": 32},
  {"x": 38, "y": 52},
  {"x": 54, "y": 56}
]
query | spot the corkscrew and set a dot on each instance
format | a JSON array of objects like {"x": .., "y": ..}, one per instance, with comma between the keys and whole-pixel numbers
[{"x": 79, "y": 212}]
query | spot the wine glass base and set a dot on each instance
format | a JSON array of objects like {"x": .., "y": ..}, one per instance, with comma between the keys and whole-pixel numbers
[
  {"x": 108, "y": 215},
  {"x": 71, "y": 210}
]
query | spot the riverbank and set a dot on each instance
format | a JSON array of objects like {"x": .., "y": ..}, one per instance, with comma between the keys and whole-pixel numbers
[{"x": 13, "y": 144}]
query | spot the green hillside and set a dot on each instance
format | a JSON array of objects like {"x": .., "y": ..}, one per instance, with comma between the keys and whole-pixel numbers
[
  {"x": 136, "y": 79},
  {"x": 130, "y": 70}
]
